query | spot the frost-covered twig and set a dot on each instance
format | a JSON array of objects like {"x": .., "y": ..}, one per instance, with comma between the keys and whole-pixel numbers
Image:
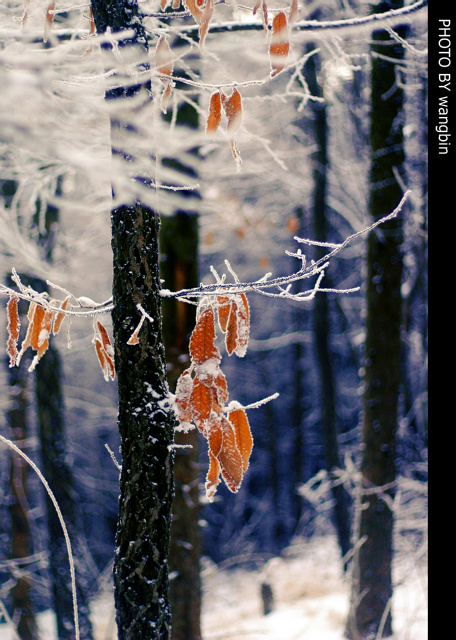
[
  {"x": 233, "y": 405},
  {"x": 133, "y": 339},
  {"x": 265, "y": 286},
  {"x": 113, "y": 457},
  {"x": 377, "y": 20},
  {"x": 82, "y": 306}
]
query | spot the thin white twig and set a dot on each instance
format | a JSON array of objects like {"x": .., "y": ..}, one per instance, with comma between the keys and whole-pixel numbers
[
  {"x": 263, "y": 286},
  {"x": 12, "y": 446},
  {"x": 114, "y": 459}
]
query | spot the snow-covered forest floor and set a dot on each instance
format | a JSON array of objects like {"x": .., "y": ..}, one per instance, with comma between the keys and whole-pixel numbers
[{"x": 310, "y": 599}]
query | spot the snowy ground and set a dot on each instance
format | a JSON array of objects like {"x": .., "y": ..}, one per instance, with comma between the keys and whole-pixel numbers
[{"x": 310, "y": 595}]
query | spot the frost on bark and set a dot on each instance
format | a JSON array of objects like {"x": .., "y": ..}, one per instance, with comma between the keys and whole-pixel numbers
[
  {"x": 146, "y": 426},
  {"x": 145, "y": 419},
  {"x": 370, "y": 615}
]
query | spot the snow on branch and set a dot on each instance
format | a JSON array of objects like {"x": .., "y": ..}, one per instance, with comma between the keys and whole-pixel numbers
[
  {"x": 280, "y": 287},
  {"x": 387, "y": 18},
  {"x": 81, "y": 306}
]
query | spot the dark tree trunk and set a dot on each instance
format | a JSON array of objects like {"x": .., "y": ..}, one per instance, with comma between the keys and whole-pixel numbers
[
  {"x": 58, "y": 473},
  {"x": 321, "y": 313},
  {"x": 179, "y": 269},
  {"x": 21, "y": 603},
  {"x": 146, "y": 425},
  {"x": 146, "y": 420},
  {"x": 57, "y": 469},
  {"x": 370, "y": 615}
]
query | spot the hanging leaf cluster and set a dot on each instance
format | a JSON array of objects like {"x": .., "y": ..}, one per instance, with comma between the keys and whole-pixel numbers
[
  {"x": 232, "y": 107},
  {"x": 44, "y": 322},
  {"x": 202, "y": 392}
]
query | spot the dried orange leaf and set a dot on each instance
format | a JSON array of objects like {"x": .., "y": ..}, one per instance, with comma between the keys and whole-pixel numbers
[
  {"x": 163, "y": 4},
  {"x": 93, "y": 28},
  {"x": 45, "y": 332},
  {"x": 280, "y": 43},
  {"x": 238, "y": 327},
  {"x": 192, "y": 6},
  {"x": 231, "y": 334},
  {"x": 13, "y": 328},
  {"x": 166, "y": 95},
  {"x": 184, "y": 389},
  {"x": 105, "y": 339},
  {"x": 111, "y": 368},
  {"x": 213, "y": 477},
  {"x": 164, "y": 57},
  {"x": 101, "y": 356},
  {"x": 200, "y": 404},
  {"x": 48, "y": 20},
  {"x": 133, "y": 339},
  {"x": 202, "y": 340},
  {"x": 176, "y": 4},
  {"x": 244, "y": 439},
  {"x": 215, "y": 114},
  {"x": 28, "y": 336},
  {"x": 214, "y": 435},
  {"x": 233, "y": 111},
  {"x": 230, "y": 457},
  {"x": 264, "y": 12},
  {"x": 60, "y": 317},
  {"x": 206, "y": 18},
  {"x": 223, "y": 308},
  {"x": 293, "y": 11},
  {"x": 221, "y": 389},
  {"x": 37, "y": 321},
  {"x": 107, "y": 352}
]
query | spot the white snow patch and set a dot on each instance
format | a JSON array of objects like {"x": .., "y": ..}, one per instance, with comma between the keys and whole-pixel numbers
[{"x": 310, "y": 593}]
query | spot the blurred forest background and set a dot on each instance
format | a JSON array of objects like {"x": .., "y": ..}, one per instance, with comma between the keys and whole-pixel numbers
[{"x": 304, "y": 143}]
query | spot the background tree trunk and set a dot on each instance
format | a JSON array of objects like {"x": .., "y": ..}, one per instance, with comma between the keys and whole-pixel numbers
[
  {"x": 58, "y": 473},
  {"x": 179, "y": 239},
  {"x": 370, "y": 615},
  {"x": 56, "y": 466},
  {"x": 321, "y": 309},
  {"x": 21, "y": 602},
  {"x": 179, "y": 269}
]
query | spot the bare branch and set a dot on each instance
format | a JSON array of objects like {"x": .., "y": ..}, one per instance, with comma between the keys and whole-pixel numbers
[{"x": 282, "y": 284}]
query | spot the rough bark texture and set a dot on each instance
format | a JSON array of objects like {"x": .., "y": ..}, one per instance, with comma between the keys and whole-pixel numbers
[
  {"x": 146, "y": 421},
  {"x": 370, "y": 615},
  {"x": 146, "y": 425}
]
